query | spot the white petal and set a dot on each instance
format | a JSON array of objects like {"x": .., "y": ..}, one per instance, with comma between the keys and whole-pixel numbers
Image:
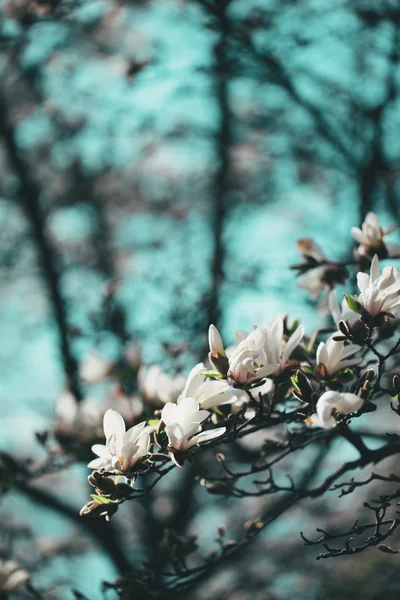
[
  {"x": 169, "y": 413},
  {"x": 358, "y": 235},
  {"x": 351, "y": 362},
  {"x": 215, "y": 340},
  {"x": 375, "y": 270},
  {"x": 194, "y": 380},
  {"x": 205, "y": 436},
  {"x": 334, "y": 306},
  {"x": 363, "y": 282},
  {"x": 349, "y": 350},
  {"x": 322, "y": 354},
  {"x": 134, "y": 432},
  {"x": 315, "y": 421},
  {"x": 101, "y": 450},
  {"x": 187, "y": 407},
  {"x": 97, "y": 463},
  {"x": 349, "y": 403},
  {"x": 113, "y": 423},
  {"x": 292, "y": 343}
]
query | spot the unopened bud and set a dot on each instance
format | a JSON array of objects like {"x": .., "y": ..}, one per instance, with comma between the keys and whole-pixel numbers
[{"x": 221, "y": 530}]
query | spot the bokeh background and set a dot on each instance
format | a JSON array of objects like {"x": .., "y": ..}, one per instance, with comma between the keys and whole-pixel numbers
[{"x": 158, "y": 161}]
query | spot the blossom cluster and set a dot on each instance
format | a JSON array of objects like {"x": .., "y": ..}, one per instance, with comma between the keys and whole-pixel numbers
[{"x": 271, "y": 364}]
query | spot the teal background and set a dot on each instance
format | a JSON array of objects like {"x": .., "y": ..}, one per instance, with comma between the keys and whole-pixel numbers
[{"x": 127, "y": 165}]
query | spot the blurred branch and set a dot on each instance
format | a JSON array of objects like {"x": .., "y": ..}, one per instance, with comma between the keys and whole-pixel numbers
[
  {"x": 29, "y": 198},
  {"x": 102, "y": 532},
  {"x": 223, "y": 148}
]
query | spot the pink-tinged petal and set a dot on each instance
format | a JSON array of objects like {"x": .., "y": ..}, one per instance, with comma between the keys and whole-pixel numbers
[
  {"x": 372, "y": 220},
  {"x": 113, "y": 423},
  {"x": 358, "y": 235},
  {"x": 126, "y": 458},
  {"x": 175, "y": 435},
  {"x": 14, "y": 580},
  {"x": 375, "y": 270},
  {"x": 101, "y": 450},
  {"x": 169, "y": 413},
  {"x": 315, "y": 421}
]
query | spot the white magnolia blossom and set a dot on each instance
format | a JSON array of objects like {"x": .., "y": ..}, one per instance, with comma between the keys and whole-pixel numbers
[
  {"x": 341, "y": 312},
  {"x": 335, "y": 355},
  {"x": 258, "y": 354},
  {"x": 371, "y": 236},
  {"x": 329, "y": 404},
  {"x": 95, "y": 368},
  {"x": 123, "y": 448},
  {"x": 183, "y": 425},
  {"x": 314, "y": 282},
  {"x": 209, "y": 393},
  {"x": 276, "y": 348},
  {"x": 12, "y": 576},
  {"x": 73, "y": 416},
  {"x": 310, "y": 249},
  {"x": 379, "y": 292},
  {"x": 158, "y": 387}
]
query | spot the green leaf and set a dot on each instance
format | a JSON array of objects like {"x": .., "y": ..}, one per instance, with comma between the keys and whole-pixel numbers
[
  {"x": 295, "y": 383},
  {"x": 100, "y": 499},
  {"x": 307, "y": 369},
  {"x": 294, "y": 326},
  {"x": 353, "y": 304},
  {"x": 212, "y": 374},
  {"x": 153, "y": 422}
]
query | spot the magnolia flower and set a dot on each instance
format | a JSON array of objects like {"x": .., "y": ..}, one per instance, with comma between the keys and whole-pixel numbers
[
  {"x": 341, "y": 312},
  {"x": 123, "y": 449},
  {"x": 320, "y": 279},
  {"x": 209, "y": 393},
  {"x": 73, "y": 417},
  {"x": 129, "y": 407},
  {"x": 261, "y": 353},
  {"x": 331, "y": 403},
  {"x": 310, "y": 250},
  {"x": 183, "y": 426},
  {"x": 379, "y": 293},
  {"x": 12, "y": 576},
  {"x": 319, "y": 274},
  {"x": 277, "y": 350},
  {"x": 333, "y": 356},
  {"x": 249, "y": 361},
  {"x": 95, "y": 368},
  {"x": 371, "y": 238},
  {"x": 158, "y": 387}
]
